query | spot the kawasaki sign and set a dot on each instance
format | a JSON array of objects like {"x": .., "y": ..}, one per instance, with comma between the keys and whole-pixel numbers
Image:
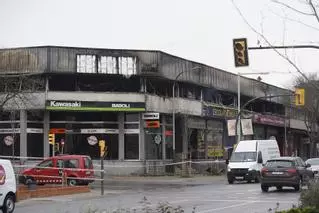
[{"x": 95, "y": 106}]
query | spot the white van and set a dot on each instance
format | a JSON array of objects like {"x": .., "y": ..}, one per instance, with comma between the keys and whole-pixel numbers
[
  {"x": 247, "y": 159},
  {"x": 8, "y": 186}
]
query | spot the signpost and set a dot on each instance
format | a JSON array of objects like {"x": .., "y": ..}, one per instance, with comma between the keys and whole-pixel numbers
[{"x": 102, "y": 155}]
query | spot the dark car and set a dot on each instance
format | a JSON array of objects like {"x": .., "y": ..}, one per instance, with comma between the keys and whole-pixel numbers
[{"x": 285, "y": 171}]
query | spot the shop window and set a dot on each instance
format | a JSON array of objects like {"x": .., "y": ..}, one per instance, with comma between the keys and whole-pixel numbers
[
  {"x": 153, "y": 150},
  {"x": 35, "y": 145},
  {"x": 131, "y": 117},
  {"x": 169, "y": 142},
  {"x": 131, "y": 146},
  {"x": 78, "y": 144},
  {"x": 10, "y": 149},
  {"x": 131, "y": 126}
]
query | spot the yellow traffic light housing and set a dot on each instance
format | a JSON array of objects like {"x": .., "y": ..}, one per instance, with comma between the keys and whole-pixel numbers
[
  {"x": 51, "y": 139},
  {"x": 300, "y": 97},
  {"x": 102, "y": 148},
  {"x": 240, "y": 52}
]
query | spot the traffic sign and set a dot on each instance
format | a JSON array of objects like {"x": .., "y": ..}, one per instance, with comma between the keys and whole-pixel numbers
[{"x": 157, "y": 139}]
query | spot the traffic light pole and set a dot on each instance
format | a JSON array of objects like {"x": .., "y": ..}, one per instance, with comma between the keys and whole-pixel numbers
[{"x": 285, "y": 47}]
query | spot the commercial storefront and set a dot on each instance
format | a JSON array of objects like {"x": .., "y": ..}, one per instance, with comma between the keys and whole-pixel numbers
[{"x": 267, "y": 126}]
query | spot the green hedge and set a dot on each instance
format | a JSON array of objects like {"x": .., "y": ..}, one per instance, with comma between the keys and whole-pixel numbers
[{"x": 301, "y": 210}]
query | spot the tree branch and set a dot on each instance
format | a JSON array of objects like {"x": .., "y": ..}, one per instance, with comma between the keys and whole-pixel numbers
[
  {"x": 268, "y": 42},
  {"x": 292, "y": 8},
  {"x": 315, "y": 13}
]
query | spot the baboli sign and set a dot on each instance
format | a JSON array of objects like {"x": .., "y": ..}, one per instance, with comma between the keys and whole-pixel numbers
[{"x": 94, "y": 106}]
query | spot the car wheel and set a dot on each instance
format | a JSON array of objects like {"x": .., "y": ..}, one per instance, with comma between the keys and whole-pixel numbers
[
  {"x": 230, "y": 181},
  {"x": 279, "y": 188},
  {"x": 264, "y": 188},
  {"x": 9, "y": 204},
  {"x": 72, "y": 182}
]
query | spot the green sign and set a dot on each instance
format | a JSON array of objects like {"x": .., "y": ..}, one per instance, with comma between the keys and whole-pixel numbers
[{"x": 95, "y": 106}]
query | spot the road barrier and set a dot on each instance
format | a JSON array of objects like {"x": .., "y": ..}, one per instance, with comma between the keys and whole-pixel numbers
[{"x": 149, "y": 168}]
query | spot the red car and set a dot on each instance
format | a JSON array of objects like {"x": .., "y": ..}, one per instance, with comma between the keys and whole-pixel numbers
[{"x": 77, "y": 169}]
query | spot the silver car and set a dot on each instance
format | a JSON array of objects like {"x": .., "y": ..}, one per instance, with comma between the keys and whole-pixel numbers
[{"x": 314, "y": 166}]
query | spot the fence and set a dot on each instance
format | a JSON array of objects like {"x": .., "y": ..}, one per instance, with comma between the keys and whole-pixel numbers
[{"x": 121, "y": 168}]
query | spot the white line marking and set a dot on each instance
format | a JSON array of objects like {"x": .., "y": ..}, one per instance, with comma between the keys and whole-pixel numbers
[
  {"x": 247, "y": 201},
  {"x": 226, "y": 207}
]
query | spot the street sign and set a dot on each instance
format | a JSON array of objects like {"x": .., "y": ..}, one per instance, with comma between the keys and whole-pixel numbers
[
  {"x": 92, "y": 140},
  {"x": 151, "y": 116},
  {"x": 157, "y": 139},
  {"x": 152, "y": 124}
]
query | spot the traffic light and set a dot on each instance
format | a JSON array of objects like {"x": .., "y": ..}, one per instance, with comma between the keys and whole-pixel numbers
[
  {"x": 51, "y": 139},
  {"x": 240, "y": 52},
  {"x": 57, "y": 147},
  {"x": 300, "y": 97},
  {"x": 102, "y": 147}
]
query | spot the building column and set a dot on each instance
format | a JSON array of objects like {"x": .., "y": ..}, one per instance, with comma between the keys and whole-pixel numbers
[
  {"x": 142, "y": 154},
  {"x": 23, "y": 134},
  {"x": 185, "y": 136},
  {"x": 206, "y": 143},
  {"x": 121, "y": 135},
  {"x": 163, "y": 138},
  {"x": 46, "y": 129}
]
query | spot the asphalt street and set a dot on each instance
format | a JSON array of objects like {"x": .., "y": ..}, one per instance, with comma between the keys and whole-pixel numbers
[{"x": 205, "y": 196}]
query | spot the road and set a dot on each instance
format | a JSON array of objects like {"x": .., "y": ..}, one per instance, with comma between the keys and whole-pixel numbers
[{"x": 212, "y": 196}]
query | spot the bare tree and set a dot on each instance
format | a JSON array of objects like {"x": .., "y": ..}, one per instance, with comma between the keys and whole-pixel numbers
[
  {"x": 307, "y": 9},
  {"x": 16, "y": 90},
  {"x": 311, "y": 109}
]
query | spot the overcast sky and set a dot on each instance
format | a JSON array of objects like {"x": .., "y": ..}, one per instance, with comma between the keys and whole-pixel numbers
[{"x": 199, "y": 30}]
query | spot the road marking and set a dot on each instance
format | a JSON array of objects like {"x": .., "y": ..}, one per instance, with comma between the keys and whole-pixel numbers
[
  {"x": 256, "y": 201},
  {"x": 226, "y": 207}
]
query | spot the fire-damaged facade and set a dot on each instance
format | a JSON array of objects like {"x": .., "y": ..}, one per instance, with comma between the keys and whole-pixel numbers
[{"x": 125, "y": 97}]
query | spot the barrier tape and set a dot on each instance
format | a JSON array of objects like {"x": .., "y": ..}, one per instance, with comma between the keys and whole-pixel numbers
[
  {"x": 60, "y": 177},
  {"x": 58, "y": 168}
]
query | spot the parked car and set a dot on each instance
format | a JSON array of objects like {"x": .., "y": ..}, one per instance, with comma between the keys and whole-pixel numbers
[
  {"x": 247, "y": 159},
  {"x": 285, "y": 171},
  {"x": 8, "y": 187},
  {"x": 78, "y": 169},
  {"x": 314, "y": 166}
]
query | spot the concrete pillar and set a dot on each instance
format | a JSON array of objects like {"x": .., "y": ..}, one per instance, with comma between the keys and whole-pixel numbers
[
  {"x": 23, "y": 133},
  {"x": 185, "y": 135},
  {"x": 121, "y": 135},
  {"x": 206, "y": 131},
  {"x": 141, "y": 139},
  {"x": 163, "y": 138},
  {"x": 46, "y": 129}
]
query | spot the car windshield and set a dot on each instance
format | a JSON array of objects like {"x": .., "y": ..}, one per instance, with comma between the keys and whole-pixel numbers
[
  {"x": 314, "y": 161},
  {"x": 279, "y": 163},
  {"x": 243, "y": 157}
]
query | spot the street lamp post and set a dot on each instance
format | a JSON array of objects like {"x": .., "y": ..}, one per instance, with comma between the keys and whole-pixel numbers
[
  {"x": 238, "y": 99},
  {"x": 173, "y": 105}
]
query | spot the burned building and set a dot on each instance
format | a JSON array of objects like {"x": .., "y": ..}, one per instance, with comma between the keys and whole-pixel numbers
[{"x": 128, "y": 98}]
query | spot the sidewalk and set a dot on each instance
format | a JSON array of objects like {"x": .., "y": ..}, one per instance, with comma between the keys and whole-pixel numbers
[{"x": 158, "y": 180}]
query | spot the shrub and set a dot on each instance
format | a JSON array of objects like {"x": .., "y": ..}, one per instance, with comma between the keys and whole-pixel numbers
[
  {"x": 310, "y": 197},
  {"x": 301, "y": 210}
]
